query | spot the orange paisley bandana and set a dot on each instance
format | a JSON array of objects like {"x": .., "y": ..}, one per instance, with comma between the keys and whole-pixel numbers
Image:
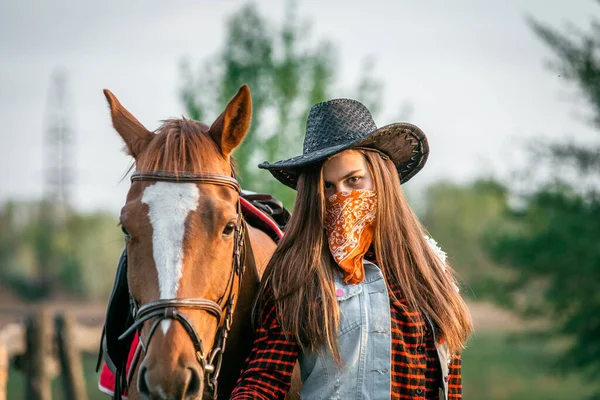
[{"x": 349, "y": 218}]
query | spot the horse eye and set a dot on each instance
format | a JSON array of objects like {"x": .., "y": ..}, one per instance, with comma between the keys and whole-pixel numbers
[
  {"x": 127, "y": 235},
  {"x": 229, "y": 229}
]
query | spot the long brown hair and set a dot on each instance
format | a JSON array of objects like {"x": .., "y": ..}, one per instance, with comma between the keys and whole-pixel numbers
[{"x": 299, "y": 276}]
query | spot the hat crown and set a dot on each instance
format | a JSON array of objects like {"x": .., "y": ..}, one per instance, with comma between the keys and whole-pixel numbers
[{"x": 336, "y": 122}]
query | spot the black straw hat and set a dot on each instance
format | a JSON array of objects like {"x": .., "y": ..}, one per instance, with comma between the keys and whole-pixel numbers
[{"x": 340, "y": 124}]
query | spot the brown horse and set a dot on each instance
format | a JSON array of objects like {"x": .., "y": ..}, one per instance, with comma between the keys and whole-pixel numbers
[{"x": 182, "y": 227}]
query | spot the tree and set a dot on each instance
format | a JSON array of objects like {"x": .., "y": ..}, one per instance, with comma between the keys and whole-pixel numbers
[
  {"x": 458, "y": 217},
  {"x": 552, "y": 242},
  {"x": 286, "y": 73},
  {"x": 39, "y": 259}
]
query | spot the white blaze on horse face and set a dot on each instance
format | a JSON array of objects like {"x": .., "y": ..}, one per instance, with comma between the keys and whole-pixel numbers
[{"x": 169, "y": 205}]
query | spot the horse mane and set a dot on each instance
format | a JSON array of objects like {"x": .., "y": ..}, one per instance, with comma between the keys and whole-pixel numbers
[{"x": 179, "y": 145}]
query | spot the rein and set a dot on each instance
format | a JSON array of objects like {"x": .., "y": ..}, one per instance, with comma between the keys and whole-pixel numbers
[{"x": 171, "y": 309}]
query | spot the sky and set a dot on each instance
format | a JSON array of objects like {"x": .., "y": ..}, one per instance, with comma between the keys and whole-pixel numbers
[{"x": 473, "y": 72}]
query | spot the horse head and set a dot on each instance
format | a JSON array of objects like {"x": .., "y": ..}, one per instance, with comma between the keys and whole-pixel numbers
[{"x": 183, "y": 233}]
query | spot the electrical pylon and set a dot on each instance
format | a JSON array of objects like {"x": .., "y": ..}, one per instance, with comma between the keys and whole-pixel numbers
[{"x": 58, "y": 144}]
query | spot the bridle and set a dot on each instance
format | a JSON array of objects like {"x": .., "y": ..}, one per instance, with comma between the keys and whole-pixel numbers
[{"x": 170, "y": 309}]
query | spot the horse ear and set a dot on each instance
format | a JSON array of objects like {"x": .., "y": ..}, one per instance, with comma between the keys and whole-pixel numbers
[
  {"x": 231, "y": 126},
  {"x": 135, "y": 136}
]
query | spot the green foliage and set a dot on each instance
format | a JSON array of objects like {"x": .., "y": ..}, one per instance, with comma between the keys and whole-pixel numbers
[
  {"x": 499, "y": 366},
  {"x": 551, "y": 243},
  {"x": 286, "y": 74},
  {"x": 458, "y": 216},
  {"x": 578, "y": 61},
  {"x": 42, "y": 256}
]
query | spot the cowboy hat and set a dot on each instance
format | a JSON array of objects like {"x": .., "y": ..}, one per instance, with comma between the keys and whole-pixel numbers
[{"x": 337, "y": 125}]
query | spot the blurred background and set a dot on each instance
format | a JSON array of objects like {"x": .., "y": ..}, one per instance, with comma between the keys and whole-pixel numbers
[{"x": 508, "y": 94}]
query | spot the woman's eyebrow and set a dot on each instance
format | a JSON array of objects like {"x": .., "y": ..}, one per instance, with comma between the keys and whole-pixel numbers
[{"x": 348, "y": 175}]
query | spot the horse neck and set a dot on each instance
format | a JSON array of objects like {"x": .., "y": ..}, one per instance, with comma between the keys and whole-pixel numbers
[{"x": 240, "y": 339}]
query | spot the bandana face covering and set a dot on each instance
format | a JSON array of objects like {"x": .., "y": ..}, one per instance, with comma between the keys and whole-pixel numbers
[{"x": 349, "y": 218}]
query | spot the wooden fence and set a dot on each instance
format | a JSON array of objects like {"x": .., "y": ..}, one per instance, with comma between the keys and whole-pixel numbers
[{"x": 48, "y": 346}]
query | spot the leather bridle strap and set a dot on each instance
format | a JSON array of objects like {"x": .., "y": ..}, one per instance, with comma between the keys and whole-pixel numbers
[
  {"x": 182, "y": 177},
  {"x": 168, "y": 309},
  {"x": 216, "y": 357}
]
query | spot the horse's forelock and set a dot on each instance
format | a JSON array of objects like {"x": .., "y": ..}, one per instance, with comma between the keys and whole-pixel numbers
[{"x": 179, "y": 145}]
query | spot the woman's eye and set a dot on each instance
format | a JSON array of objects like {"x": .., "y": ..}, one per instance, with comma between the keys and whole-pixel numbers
[
  {"x": 327, "y": 185},
  {"x": 229, "y": 229},
  {"x": 354, "y": 179}
]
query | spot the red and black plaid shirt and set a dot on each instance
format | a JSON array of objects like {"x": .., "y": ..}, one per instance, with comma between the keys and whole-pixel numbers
[{"x": 415, "y": 367}]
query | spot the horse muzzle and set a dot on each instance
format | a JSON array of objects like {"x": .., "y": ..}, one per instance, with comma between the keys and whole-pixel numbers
[{"x": 161, "y": 382}]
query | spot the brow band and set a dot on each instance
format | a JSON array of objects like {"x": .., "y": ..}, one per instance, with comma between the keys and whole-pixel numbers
[{"x": 215, "y": 179}]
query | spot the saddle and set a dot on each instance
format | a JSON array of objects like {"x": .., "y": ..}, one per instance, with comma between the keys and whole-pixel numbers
[
  {"x": 265, "y": 212},
  {"x": 261, "y": 211}
]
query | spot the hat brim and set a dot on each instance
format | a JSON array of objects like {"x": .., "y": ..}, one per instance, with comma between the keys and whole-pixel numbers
[{"x": 405, "y": 144}]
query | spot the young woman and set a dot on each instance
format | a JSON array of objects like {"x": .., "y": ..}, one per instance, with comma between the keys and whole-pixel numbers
[{"x": 356, "y": 293}]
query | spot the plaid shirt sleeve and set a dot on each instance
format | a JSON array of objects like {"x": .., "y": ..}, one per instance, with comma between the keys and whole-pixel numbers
[
  {"x": 269, "y": 367},
  {"x": 455, "y": 379}
]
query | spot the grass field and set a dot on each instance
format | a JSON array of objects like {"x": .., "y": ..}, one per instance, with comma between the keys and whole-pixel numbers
[
  {"x": 16, "y": 383},
  {"x": 493, "y": 368}
]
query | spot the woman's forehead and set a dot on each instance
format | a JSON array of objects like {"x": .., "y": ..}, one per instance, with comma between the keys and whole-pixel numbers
[{"x": 343, "y": 163}]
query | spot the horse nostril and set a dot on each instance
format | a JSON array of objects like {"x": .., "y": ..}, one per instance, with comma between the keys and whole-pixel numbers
[
  {"x": 184, "y": 383},
  {"x": 142, "y": 383},
  {"x": 194, "y": 387}
]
